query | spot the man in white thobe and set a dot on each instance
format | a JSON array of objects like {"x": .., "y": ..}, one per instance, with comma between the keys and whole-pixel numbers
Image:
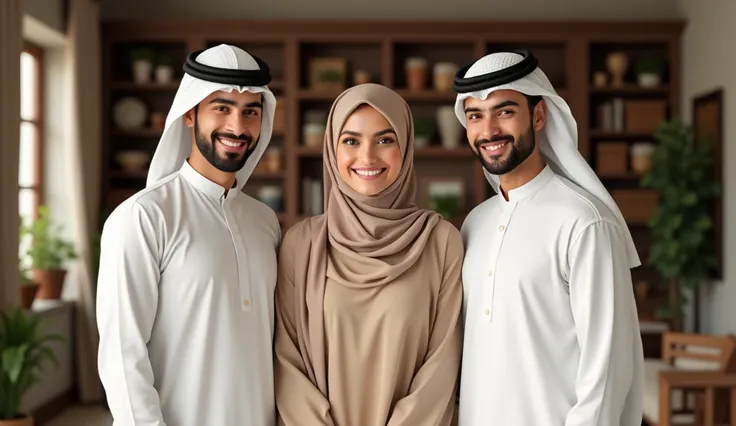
[
  {"x": 188, "y": 265},
  {"x": 551, "y": 327}
]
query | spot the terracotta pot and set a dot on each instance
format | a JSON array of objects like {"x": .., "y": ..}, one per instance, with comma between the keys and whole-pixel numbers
[
  {"x": 28, "y": 294},
  {"x": 51, "y": 282},
  {"x": 22, "y": 421}
]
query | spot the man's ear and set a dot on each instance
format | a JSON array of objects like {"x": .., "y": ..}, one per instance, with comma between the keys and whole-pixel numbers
[
  {"x": 540, "y": 115},
  {"x": 189, "y": 118}
]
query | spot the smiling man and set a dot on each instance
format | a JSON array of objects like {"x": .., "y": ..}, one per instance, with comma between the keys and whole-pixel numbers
[
  {"x": 188, "y": 265},
  {"x": 551, "y": 328}
]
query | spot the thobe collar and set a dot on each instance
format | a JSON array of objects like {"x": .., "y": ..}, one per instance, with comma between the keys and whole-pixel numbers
[
  {"x": 530, "y": 188},
  {"x": 204, "y": 185}
]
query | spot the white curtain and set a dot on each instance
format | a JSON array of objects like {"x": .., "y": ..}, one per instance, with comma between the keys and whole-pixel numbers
[
  {"x": 11, "y": 42},
  {"x": 85, "y": 103}
]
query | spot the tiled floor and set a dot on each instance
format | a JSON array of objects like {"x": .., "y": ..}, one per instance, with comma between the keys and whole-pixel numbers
[{"x": 83, "y": 416}]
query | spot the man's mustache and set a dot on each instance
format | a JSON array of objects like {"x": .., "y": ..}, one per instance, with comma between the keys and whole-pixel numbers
[
  {"x": 497, "y": 138},
  {"x": 245, "y": 138}
]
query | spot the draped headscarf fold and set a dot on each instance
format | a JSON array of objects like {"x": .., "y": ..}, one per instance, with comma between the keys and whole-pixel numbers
[{"x": 360, "y": 240}]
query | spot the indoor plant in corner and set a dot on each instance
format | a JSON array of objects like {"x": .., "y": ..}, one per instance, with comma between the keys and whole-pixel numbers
[
  {"x": 22, "y": 352},
  {"x": 682, "y": 248},
  {"x": 47, "y": 253}
]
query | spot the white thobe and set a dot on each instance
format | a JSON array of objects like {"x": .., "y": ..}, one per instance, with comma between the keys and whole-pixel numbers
[
  {"x": 185, "y": 306},
  {"x": 551, "y": 329}
]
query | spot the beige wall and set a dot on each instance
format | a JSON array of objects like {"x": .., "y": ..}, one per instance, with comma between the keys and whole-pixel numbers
[
  {"x": 390, "y": 9},
  {"x": 711, "y": 26},
  {"x": 49, "y": 12}
]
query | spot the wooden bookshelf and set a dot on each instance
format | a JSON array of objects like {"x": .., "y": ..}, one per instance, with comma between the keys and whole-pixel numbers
[{"x": 569, "y": 53}]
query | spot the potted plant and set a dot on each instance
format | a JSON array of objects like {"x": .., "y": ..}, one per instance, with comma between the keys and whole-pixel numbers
[
  {"x": 649, "y": 72},
  {"x": 47, "y": 252},
  {"x": 682, "y": 248},
  {"x": 28, "y": 288},
  {"x": 22, "y": 351},
  {"x": 330, "y": 79},
  {"x": 142, "y": 59},
  {"x": 422, "y": 131},
  {"x": 164, "y": 70}
]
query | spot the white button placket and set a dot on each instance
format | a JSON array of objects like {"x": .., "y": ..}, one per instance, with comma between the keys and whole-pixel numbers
[
  {"x": 489, "y": 285},
  {"x": 246, "y": 302}
]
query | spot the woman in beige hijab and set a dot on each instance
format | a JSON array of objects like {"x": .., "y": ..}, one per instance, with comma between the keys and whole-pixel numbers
[{"x": 369, "y": 294}]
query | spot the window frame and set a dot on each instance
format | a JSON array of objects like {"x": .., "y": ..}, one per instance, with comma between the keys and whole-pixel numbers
[{"x": 38, "y": 122}]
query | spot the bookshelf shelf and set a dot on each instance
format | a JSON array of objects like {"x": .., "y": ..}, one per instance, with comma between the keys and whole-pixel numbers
[{"x": 572, "y": 55}]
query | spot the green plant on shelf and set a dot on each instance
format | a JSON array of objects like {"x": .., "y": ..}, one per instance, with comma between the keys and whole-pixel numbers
[
  {"x": 446, "y": 205},
  {"x": 142, "y": 54},
  {"x": 649, "y": 66},
  {"x": 330, "y": 76},
  {"x": 163, "y": 60},
  {"x": 422, "y": 128},
  {"x": 682, "y": 227}
]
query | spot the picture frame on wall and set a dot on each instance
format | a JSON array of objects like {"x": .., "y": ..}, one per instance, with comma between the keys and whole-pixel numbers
[{"x": 707, "y": 123}]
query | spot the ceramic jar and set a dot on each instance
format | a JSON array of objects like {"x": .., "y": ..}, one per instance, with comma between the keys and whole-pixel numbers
[
  {"x": 641, "y": 157},
  {"x": 444, "y": 74},
  {"x": 313, "y": 134},
  {"x": 142, "y": 70},
  {"x": 416, "y": 73},
  {"x": 449, "y": 127},
  {"x": 273, "y": 159}
]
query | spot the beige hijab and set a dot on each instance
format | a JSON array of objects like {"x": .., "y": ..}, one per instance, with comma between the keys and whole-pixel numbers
[{"x": 360, "y": 241}]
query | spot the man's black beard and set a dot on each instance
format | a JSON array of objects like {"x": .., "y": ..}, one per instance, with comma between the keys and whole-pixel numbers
[
  {"x": 520, "y": 151},
  {"x": 232, "y": 163}
]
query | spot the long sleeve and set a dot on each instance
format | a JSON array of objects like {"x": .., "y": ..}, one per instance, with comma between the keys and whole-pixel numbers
[
  {"x": 601, "y": 302},
  {"x": 431, "y": 398},
  {"x": 127, "y": 298},
  {"x": 298, "y": 401}
]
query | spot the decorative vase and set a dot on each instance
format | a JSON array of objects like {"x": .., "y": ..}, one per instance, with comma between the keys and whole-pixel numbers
[
  {"x": 164, "y": 74},
  {"x": 50, "y": 281},
  {"x": 617, "y": 63},
  {"x": 449, "y": 127},
  {"x": 600, "y": 79},
  {"x": 28, "y": 294},
  {"x": 142, "y": 69},
  {"x": 416, "y": 73}
]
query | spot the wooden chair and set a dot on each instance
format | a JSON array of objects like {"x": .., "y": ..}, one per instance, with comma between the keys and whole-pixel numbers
[{"x": 686, "y": 386}]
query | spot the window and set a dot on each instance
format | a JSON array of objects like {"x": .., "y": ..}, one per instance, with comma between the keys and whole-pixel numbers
[{"x": 31, "y": 108}]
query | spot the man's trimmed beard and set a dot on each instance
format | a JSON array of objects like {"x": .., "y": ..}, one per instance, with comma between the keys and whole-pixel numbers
[
  {"x": 232, "y": 162},
  {"x": 521, "y": 149}
]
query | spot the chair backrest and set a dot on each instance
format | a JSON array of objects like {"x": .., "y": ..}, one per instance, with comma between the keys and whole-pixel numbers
[{"x": 689, "y": 351}]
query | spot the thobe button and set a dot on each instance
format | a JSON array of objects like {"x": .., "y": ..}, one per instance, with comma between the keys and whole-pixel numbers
[
  {"x": 246, "y": 302},
  {"x": 490, "y": 273},
  {"x": 501, "y": 228},
  {"x": 487, "y": 312}
]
